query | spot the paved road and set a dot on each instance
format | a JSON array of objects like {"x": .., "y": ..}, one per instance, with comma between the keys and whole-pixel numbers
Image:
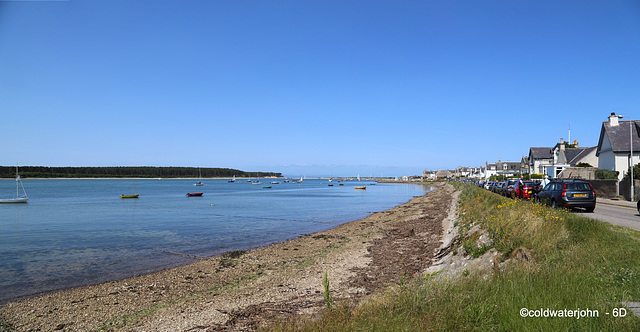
[{"x": 617, "y": 213}]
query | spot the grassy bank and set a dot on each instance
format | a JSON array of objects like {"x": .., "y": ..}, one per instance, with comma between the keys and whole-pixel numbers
[{"x": 577, "y": 264}]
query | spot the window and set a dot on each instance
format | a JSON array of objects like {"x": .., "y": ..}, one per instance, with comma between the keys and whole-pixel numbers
[{"x": 578, "y": 186}]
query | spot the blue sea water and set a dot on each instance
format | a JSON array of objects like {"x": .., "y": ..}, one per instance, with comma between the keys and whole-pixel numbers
[{"x": 80, "y": 232}]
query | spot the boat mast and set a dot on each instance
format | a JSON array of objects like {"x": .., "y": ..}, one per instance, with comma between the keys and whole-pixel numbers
[{"x": 17, "y": 180}]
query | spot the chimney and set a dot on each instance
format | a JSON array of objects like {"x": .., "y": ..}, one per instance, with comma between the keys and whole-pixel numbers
[
  {"x": 575, "y": 143},
  {"x": 613, "y": 120}
]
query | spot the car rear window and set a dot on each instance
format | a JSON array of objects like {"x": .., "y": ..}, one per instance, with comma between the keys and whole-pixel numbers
[{"x": 578, "y": 186}]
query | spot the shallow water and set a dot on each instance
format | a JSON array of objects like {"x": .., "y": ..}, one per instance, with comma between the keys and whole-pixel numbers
[{"x": 80, "y": 232}]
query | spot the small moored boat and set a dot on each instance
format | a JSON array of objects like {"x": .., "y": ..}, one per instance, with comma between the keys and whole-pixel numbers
[
  {"x": 194, "y": 194},
  {"x": 18, "y": 199},
  {"x": 362, "y": 188},
  {"x": 135, "y": 193}
]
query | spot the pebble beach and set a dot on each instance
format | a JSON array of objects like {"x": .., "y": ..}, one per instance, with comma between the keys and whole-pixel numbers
[{"x": 244, "y": 290}]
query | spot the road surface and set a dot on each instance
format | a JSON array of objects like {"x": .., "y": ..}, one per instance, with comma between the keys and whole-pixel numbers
[{"x": 617, "y": 214}]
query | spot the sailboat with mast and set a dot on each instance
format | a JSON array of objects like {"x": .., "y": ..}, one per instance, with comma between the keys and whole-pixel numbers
[
  {"x": 18, "y": 199},
  {"x": 199, "y": 182},
  {"x": 361, "y": 187},
  {"x": 135, "y": 193}
]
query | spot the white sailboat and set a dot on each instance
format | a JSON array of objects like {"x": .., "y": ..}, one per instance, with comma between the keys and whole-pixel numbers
[
  {"x": 233, "y": 180},
  {"x": 199, "y": 183},
  {"x": 18, "y": 199}
]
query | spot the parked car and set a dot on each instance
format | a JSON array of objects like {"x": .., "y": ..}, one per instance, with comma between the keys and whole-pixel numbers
[
  {"x": 500, "y": 188},
  {"x": 568, "y": 194},
  {"x": 508, "y": 187},
  {"x": 525, "y": 190},
  {"x": 496, "y": 187}
]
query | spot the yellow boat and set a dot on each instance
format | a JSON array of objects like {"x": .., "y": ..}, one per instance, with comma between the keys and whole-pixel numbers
[
  {"x": 361, "y": 188},
  {"x": 135, "y": 195}
]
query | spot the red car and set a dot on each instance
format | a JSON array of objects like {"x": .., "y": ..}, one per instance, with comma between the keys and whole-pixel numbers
[{"x": 524, "y": 189}]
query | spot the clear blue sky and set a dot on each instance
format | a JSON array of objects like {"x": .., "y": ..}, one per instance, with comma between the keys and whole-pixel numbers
[{"x": 314, "y": 87}]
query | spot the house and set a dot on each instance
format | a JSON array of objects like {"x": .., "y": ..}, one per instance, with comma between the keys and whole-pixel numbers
[
  {"x": 524, "y": 165},
  {"x": 509, "y": 168},
  {"x": 429, "y": 175},
  {"x": 505, "y": 168},
  {"x": 569, "y": 155},
  {"x": 490, "y": 170},
  {"x": 539, "y": 159},
  {"x": 443, "y": 174},
  {"x": 468, "y": 172},
  {"x": 615, "y": 143},
  {"x": 573, "y": 155}
]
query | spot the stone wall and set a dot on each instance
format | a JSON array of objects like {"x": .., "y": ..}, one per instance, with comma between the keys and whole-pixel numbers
[
  {"x": 605, "y": 188},
  {"x": 578, "y": 173},
  {"x": 625, "y": 189}
]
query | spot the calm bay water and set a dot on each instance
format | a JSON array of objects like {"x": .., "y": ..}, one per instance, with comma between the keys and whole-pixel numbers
[{"x": 80, "y": 232}]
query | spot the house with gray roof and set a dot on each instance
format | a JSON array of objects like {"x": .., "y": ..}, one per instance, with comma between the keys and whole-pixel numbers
[
  {"x": 539, "y": 159},
  {"x": 575, "y": 156},
  {"x": 614, "y": 145}
]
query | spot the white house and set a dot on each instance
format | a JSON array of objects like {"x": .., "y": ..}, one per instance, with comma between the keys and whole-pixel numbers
[
  {"x": 615, "y": 143},
  {"x": 540, "y": 158},
  {"x": 490, "y": 169}
]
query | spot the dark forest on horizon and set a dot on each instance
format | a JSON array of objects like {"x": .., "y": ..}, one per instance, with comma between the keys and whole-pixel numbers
[{"x": 127, "y": 172}]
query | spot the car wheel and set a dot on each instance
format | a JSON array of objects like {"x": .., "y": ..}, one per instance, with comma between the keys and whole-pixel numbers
[
  {"x": 554, "y": 205},
  {"x": 590, "y": 209},
  {"x": 638, "y": 206}
]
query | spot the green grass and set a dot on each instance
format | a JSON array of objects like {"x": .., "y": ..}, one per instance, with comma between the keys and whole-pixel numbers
[{"x": 578, "y": 263}]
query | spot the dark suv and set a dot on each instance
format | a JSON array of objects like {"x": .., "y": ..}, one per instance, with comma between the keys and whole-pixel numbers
[{"x": 569, "y": 194}]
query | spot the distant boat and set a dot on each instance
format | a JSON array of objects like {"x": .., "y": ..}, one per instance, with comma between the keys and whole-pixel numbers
[
  {"x": 135, "y": 195},
  {"x": 18, "y": 199},
  {"x": 266, "y": 187},
  {"x": 330, "y": 185},
  {"x": 275, "y": 182},
  {"x": 362, "y": 188},
  {"x": 233, "y": 180},
  {"x": 199, "y": 183},
  {"x": 257, "y": 180},
  {"x": 299, "y": 181},
  {"x": 286, "y": 181},
  {"x": 194, "y": 194}
]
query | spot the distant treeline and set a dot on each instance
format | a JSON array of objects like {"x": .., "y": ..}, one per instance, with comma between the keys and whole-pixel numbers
[{"x": 126, "y": 172}]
